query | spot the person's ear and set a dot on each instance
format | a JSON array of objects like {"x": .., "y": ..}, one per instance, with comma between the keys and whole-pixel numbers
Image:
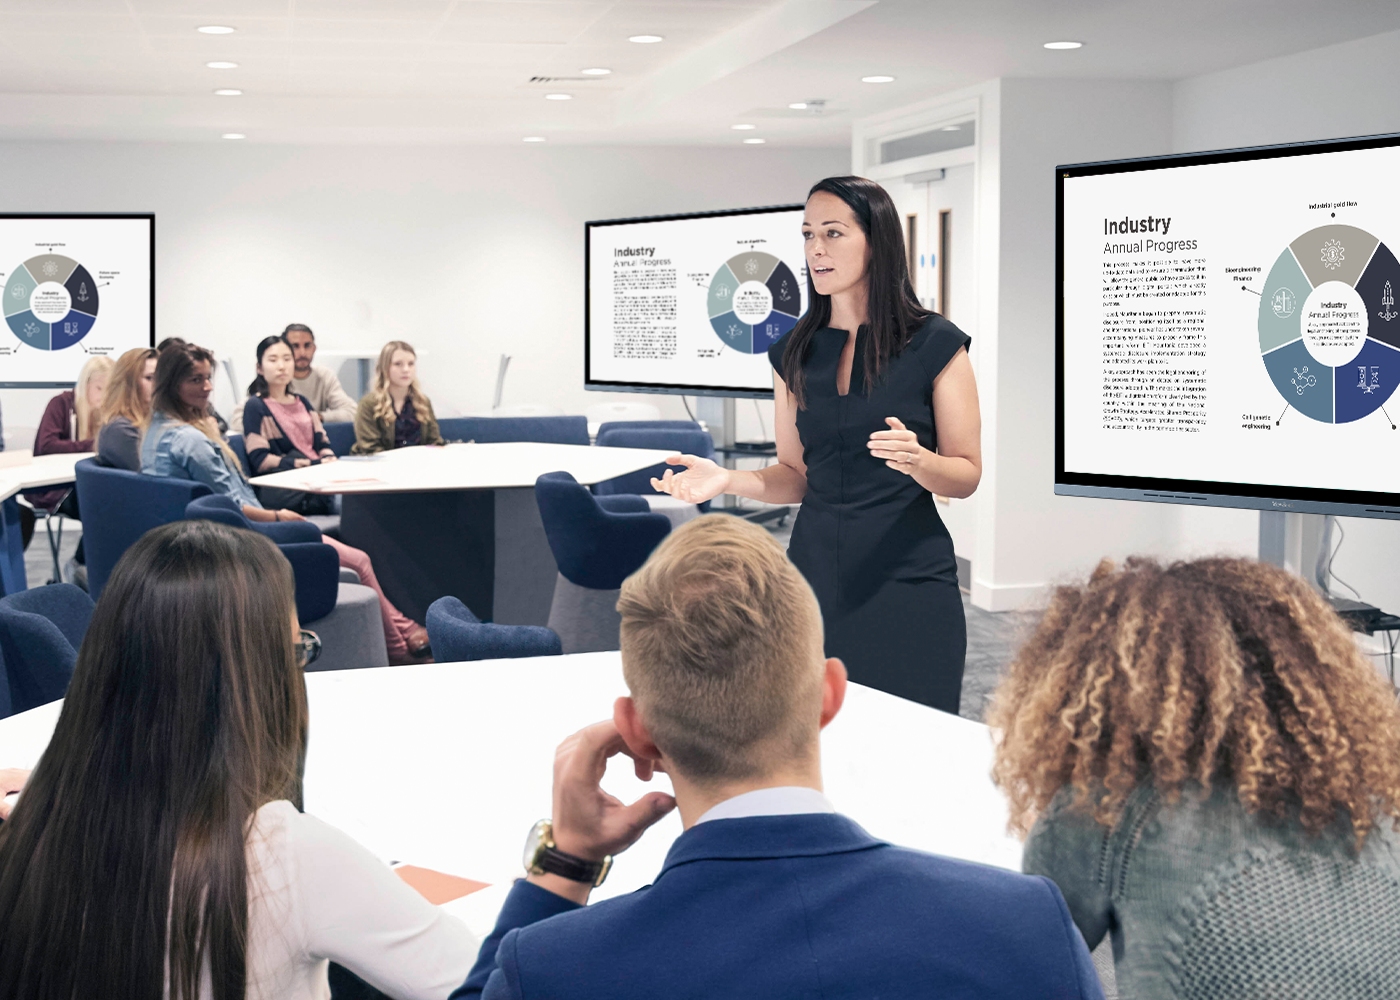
[
  {"x": 633, "y": 730},
  {"x": 833, "y": 689}
]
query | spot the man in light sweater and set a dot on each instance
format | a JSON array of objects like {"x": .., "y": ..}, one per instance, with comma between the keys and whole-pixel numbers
[{"x": 317, "y": 383}]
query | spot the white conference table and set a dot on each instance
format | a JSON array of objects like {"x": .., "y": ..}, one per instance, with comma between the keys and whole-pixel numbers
[
  {"x": 19, "y": 471},
  {"x": 447, "y": 766},
  {"x": 459, "y": 519}
]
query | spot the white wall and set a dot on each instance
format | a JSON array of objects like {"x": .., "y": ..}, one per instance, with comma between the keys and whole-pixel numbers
[
  {"x": 1340, "y": 90},
  {"x": 466, "y": 252}
]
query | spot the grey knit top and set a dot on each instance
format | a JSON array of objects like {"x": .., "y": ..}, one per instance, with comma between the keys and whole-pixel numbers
[{"x": 1206, "y": 902}]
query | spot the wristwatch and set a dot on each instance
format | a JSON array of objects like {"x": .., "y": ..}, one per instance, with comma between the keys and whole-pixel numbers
[{"x": 541, "y": 856}]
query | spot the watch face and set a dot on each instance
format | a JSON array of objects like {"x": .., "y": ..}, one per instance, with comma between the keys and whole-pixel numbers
[{"x": 535, "y": 843}]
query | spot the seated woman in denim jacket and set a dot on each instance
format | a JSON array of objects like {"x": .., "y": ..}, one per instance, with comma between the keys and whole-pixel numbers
[
  {"x": 183, "y": 441},
  {"x": 1212, "y": 774}
]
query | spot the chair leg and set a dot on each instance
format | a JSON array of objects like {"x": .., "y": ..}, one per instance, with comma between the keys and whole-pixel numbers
[{"x": 55, "y": 545}]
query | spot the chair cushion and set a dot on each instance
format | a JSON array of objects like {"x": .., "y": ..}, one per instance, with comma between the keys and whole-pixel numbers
[
  {"x": 485, "y": 430},
  {"x": 456, "y": 634},
  {"x": 341, "y": 435}
]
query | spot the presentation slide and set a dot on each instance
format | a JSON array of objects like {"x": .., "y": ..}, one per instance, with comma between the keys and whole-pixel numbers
[
  {"x": 74, "y": 286},
  {"x": 1235, "y": 322},
  {"x": 692, "y": 303}
]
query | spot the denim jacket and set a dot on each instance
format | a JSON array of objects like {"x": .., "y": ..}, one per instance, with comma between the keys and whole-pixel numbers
[{"x": 174, "y": 448}]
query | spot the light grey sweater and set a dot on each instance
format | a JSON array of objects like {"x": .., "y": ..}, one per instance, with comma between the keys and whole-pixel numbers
[{"x": 1206, "y": 902}]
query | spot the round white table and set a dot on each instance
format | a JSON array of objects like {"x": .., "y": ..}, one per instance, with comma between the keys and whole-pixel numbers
[{"x": 447, "y": 765}]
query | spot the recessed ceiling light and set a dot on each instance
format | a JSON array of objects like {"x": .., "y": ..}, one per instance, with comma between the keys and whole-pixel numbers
[
  {"x": 877, "y": 79},
  {"x": 233, "y": 135},
  {"x": 951, "y": 128},
  {"x": 558, "y": 97},
  {"x": 215, "y": 29},
  {"x": 646, "y": 39},
  {"x": 754, "y": 142},
  {"x": 221, "y": 65},
  {"x": 533, "y": 138},
  {"x": 1064, "y": 45},
  {"x": 743, "y": 128},
  {"x": 228, "y": 93},
  {"x": 798, "y": 106},
  {"x": 595, "y": 71}
]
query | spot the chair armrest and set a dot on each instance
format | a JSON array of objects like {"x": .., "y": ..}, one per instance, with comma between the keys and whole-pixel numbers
[
  {"x": 624, "y": 503},
  {"x": 289, "y": 532},
  {"x": 316, "y": 568}
]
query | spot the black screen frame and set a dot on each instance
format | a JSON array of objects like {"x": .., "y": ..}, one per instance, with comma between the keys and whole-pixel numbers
[
  {"x": 150, "y": 217},
  {"x": 666, "y": 388},
  {"x": 1312, "y": 500}
]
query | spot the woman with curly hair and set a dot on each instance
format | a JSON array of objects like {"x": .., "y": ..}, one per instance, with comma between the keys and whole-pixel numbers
[
  {"x": 1210, "y": 771},
  {"x": 396, "y": 413}
]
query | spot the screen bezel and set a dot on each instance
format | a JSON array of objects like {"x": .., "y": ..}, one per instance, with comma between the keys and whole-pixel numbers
[
  {"x": 1312, "y": 500},
  {"x": 150, "y": 218},
  {"x": 669, "y": 388}
]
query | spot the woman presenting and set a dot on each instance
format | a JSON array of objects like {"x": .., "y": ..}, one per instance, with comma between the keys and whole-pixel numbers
[{"x": 876, "y": 408}]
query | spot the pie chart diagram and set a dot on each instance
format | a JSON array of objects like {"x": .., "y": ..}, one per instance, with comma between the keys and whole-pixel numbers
[
  {"x": 50, "y": 302},
  {"x": 1329, "y": 328},
  {"x": 754, "y": 300}
]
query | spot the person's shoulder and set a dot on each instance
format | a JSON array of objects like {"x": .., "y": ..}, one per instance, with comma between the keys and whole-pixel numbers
[
  {"x": 366, "y": 404},
  {"x": 61, "y": 402},
  {"x": 935, "y": 342}
]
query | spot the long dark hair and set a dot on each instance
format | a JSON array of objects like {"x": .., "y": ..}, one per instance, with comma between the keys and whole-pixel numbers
[
  {"x": 173, "y": 366},
  {"x": 186, "y": 714},
  {"x": 894, "y": 310},
  {"x": 259, "y": 384}
]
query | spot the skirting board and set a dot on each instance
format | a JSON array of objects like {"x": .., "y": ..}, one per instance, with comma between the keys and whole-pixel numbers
[{"x": 1006, "y": 596}]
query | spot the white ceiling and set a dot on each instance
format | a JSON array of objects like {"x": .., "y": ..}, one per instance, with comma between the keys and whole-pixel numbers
[{"x": 460, "y": 70}]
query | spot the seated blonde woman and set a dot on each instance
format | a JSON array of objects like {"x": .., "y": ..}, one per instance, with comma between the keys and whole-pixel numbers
[
  {"x": 1210, "y": 771},
  {"x": 395, "y": 413}
]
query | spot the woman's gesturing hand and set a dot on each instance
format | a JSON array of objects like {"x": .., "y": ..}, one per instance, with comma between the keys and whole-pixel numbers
[
  {"x": 899, "y": 447},
  {"x": 702, "y": 479}
]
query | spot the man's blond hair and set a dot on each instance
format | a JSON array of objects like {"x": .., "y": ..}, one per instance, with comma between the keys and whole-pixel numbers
[{"x": 722, "y": 650}]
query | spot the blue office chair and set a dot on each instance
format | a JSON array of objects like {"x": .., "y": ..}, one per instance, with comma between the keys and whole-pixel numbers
[
  {"x": 647, "y": 425},
  {"x": 119, "y": 507},
  {"x": 457, "y": 635},
  {"x": 40, "y": 633},
  {"x": 341, "y": 435},
  {"x": 240, "y": 448},
  {"x": 486, "y": 430},
  {"x": 597, "y": 543},
  {"x": 687, "y": 440},
  {"x": 345, "y": 615}
]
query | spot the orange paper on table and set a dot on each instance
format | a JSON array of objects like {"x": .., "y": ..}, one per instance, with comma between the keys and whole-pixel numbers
[{"x": 438, "y": 887}]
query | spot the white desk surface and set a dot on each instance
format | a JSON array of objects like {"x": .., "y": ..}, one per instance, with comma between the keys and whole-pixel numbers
[
  {"x": 448, "y": 765},
  {"x": 45, "y": 470},
  {"x": 501, "y": 465}
]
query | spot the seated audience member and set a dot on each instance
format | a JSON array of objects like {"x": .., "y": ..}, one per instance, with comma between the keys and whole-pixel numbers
[
  {"x": 317, "y": 384},
  {"x": 1208, "y": 769},
  {"x": 159, "y": 849},
  {"x": 126, "y": 409},
  {"x": 281, "y": 430},
  {"x": 170, "y": 342},
  {"x": 769, "y": 892},
  {"x": 183, "y": 442},
  {"x": 395, "y": 413},
  {"x": 12, "y": 780}
]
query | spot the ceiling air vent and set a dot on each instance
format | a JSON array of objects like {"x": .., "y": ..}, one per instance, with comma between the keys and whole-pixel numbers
[{"x": 936, "y": 140}]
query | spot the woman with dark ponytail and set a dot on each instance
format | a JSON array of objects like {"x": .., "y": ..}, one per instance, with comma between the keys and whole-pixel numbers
[{"x": 876, "y": 411}]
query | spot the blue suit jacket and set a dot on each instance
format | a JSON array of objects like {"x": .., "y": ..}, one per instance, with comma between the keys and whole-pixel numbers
[{"x": 776, "y": 907}]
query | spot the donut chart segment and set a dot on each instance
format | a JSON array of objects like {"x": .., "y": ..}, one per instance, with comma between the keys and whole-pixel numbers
[
  {"x": 82, "y": 290},
  {"x": 1378, "y": 287},
  {"x": 1334, "y": 253},
  {"x": 754, "y": 299},
  {"x": 30, "y": 329},
  {"x": 1367, "y": 382},
  {"x": 1307, "y": 385},
  {"x": 1281, "y": 313}
]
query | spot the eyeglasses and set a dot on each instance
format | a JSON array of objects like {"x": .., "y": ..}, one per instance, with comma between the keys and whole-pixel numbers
[{"x": 308, "y": 648}]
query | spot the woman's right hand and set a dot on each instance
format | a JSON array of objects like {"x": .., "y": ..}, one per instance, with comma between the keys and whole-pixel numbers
[{"x": 703, "y": 479}]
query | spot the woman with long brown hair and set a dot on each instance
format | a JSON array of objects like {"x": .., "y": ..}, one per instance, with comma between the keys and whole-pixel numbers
[
  {"x": 158, "y": 849},
  {"x": 396, "y": 413},
  {"x": 876, "y": 410},
  {"x": 184, "y": 441},
  {"x": 1210, "y": 771}
]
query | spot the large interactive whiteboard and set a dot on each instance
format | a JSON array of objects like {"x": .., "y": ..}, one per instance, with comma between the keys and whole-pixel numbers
[
  {"x": 691, "y": 303},
  {"x": 1228, "y": 328},
  {"x": 74, "y": 286}
]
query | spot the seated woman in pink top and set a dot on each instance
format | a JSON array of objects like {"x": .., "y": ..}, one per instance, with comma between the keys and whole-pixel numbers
[{"x": 280, "y": 428}]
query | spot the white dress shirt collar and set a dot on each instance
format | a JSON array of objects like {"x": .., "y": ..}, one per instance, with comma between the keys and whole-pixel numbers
[{"x": 785, "y": 800}]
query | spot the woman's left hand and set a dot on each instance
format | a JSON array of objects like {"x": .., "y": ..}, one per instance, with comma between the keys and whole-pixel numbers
[{"x": 899, "y": 447}]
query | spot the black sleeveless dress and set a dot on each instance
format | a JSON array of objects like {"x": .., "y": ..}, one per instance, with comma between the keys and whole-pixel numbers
[{"x": 868, "y": 538}]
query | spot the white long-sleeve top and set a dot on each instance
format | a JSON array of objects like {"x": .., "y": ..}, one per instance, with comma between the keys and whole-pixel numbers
[{"x": 316, "y": 896}]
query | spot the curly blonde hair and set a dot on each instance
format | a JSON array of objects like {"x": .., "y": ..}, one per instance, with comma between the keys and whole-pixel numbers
[
  {"x": 1212, "y": 670},
  {"x": 383, "y": 403}
]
